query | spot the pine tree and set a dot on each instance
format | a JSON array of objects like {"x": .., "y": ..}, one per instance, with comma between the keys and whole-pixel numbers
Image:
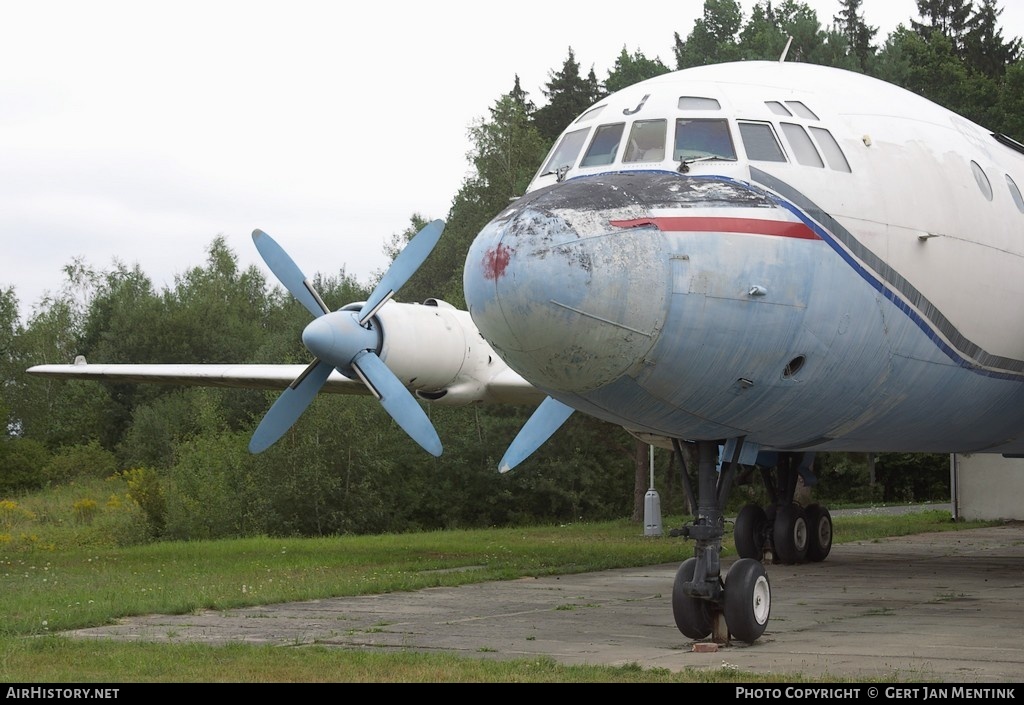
[
  {"x": 948, "y": 17},
  {"x": 507, "y": 151},
  {"x": 568, "y": 94},
  {"x": 985, "y": 49},
  {"x": 761, "y": 37},
  {"x": 713, "y": 38},
  {"x": 630, "y": 69},
  {"x": 859, "y": 35}
]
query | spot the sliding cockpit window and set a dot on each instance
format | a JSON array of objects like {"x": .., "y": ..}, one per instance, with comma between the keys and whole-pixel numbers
[
  {"x": 761, "y": 142},
  {"x": 564, "y": 155},
  {"x": 604, "y": 146}
]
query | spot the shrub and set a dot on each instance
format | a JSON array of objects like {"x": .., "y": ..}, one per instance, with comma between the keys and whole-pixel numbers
[
  {"x": 21, "y": 465},
  {"x": 83, "y": 460},
  {"x": 145, "y": 489}
]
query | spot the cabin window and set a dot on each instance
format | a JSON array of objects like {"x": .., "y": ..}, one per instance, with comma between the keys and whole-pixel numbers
[
  {"x": 590, "y": 114},
  {"x": 983, "y": 182},
  {"x": 646, "y": 141},
  {"x": 801, "y": 110},
  {"x": 760, "y": 142},
  {"x": 604, "y": 146},
  {"x": 689, "y": 102},
  {"x": 778, "y": 108},
  {"x": 698, "y": 138},
  {"x": 1015, "y": 193},
  {"x": 831, "y": 149},
  {"x": 564, "y": 155},
  {"x": 802, "y": 146}
]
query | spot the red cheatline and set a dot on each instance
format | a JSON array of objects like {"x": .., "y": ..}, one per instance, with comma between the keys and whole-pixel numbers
[{"x": 753, "y": 226}]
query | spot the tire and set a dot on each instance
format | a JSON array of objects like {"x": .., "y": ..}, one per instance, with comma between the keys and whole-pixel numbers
[
  {"x": 692, "y": 614},
  {"x": 748, "y": 532},
  {"x": 748, "y": 600},
  {"x": 790, "y": 534},
  {"x": 819, "y": 532}
]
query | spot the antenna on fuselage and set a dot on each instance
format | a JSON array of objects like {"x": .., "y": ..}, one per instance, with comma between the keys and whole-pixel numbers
[{"x": 785, "y": 52}]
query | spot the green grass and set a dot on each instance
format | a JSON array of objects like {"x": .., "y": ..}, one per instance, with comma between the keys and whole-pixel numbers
[
  {"x": 59, "y": 580},
  {"x": 48, "y": 660}
]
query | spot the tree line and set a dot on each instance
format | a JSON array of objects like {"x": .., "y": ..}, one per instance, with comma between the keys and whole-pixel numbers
[{"x": 345, "y": 467}]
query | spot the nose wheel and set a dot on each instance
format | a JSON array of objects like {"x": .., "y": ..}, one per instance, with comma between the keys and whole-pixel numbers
[
  {"x": 693, "y": 614},
  {"x": 748, "y": 599},
  {"x": 703, "y": 601},
  {"x": 745, "y": 602}
]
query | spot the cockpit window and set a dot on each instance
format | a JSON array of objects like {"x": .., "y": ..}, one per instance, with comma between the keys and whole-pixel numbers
[
  {"x": 802, "y": 146},
  {"x": 646, "y": 141},
  {"x": 802, "y": 110},
  {"x": 833, "y": 152},
  {"x": 590, "y": 114},
  {"x": 761, "y": 143},
  {"x": 689, "y": 102},
  {"x": 604, "y": 145},
  {"x": 566, "y": 152},
  {"x": 778, "y": 108},
  {"x": 700, "y": 138}
]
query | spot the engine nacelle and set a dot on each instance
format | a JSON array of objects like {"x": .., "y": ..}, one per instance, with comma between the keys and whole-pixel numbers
[{"x": 436, "y": 351}]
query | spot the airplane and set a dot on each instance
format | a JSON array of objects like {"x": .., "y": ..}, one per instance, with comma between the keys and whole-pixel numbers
[{"x": 762, "y": 260}]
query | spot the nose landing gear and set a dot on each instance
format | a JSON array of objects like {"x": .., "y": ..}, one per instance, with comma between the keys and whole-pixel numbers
[{"x": 704, "y": 602}]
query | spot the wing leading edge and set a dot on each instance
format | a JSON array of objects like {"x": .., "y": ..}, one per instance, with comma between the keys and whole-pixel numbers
[{"x": 506, "y": 387}]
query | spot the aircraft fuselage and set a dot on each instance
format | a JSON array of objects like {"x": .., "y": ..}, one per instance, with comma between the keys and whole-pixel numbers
[{"x": 860, "y": 294}]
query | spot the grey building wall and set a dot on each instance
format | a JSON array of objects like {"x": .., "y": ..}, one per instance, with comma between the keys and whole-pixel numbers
[{"x": 987, "y": 486}]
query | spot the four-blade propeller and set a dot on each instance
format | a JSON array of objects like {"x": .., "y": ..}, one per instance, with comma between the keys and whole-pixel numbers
[{"x": 347, "y": 340}]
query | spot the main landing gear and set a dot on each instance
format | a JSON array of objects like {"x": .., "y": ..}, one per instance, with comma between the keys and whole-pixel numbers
[
  {"x": 783, "y": 532},
  {"x": 704, "y": 602}
]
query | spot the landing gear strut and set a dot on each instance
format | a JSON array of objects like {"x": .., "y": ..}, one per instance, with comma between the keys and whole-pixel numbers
[{"x": 703, "y": 601}]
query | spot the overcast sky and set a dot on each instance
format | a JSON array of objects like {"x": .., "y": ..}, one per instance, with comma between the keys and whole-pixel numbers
[{"x": 139, "y": 131}]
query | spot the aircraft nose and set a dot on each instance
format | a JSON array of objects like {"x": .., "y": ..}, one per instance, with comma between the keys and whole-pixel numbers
[{"x": 569, "y": 300}]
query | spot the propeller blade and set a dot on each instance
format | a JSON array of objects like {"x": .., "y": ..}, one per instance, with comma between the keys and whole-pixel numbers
[
  {"x": 289, "y": 406},
  {"x": 547, "y": 419},
  {"x": 404, "y": 266},
  {"x": 289, "y": 274},
  {"x": 397, "y": 400},
  {"x": 342, "y": 340}
]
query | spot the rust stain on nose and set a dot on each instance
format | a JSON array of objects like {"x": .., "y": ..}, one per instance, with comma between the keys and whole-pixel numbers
[{"x": 496, "y": 260}]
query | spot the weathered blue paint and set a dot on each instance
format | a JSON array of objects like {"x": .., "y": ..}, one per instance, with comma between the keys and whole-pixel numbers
[{"x": 658, "y": 332}]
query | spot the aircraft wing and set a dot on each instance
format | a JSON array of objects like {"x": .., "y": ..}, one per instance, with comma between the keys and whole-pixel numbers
[
  {"x": 432, "y": 352},
  {"x": 229, "y": 376},
  {"x": 506, "y": 387}
]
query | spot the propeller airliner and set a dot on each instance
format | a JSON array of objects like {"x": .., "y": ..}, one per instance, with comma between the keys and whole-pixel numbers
[{"x": 763, "y": 259}]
